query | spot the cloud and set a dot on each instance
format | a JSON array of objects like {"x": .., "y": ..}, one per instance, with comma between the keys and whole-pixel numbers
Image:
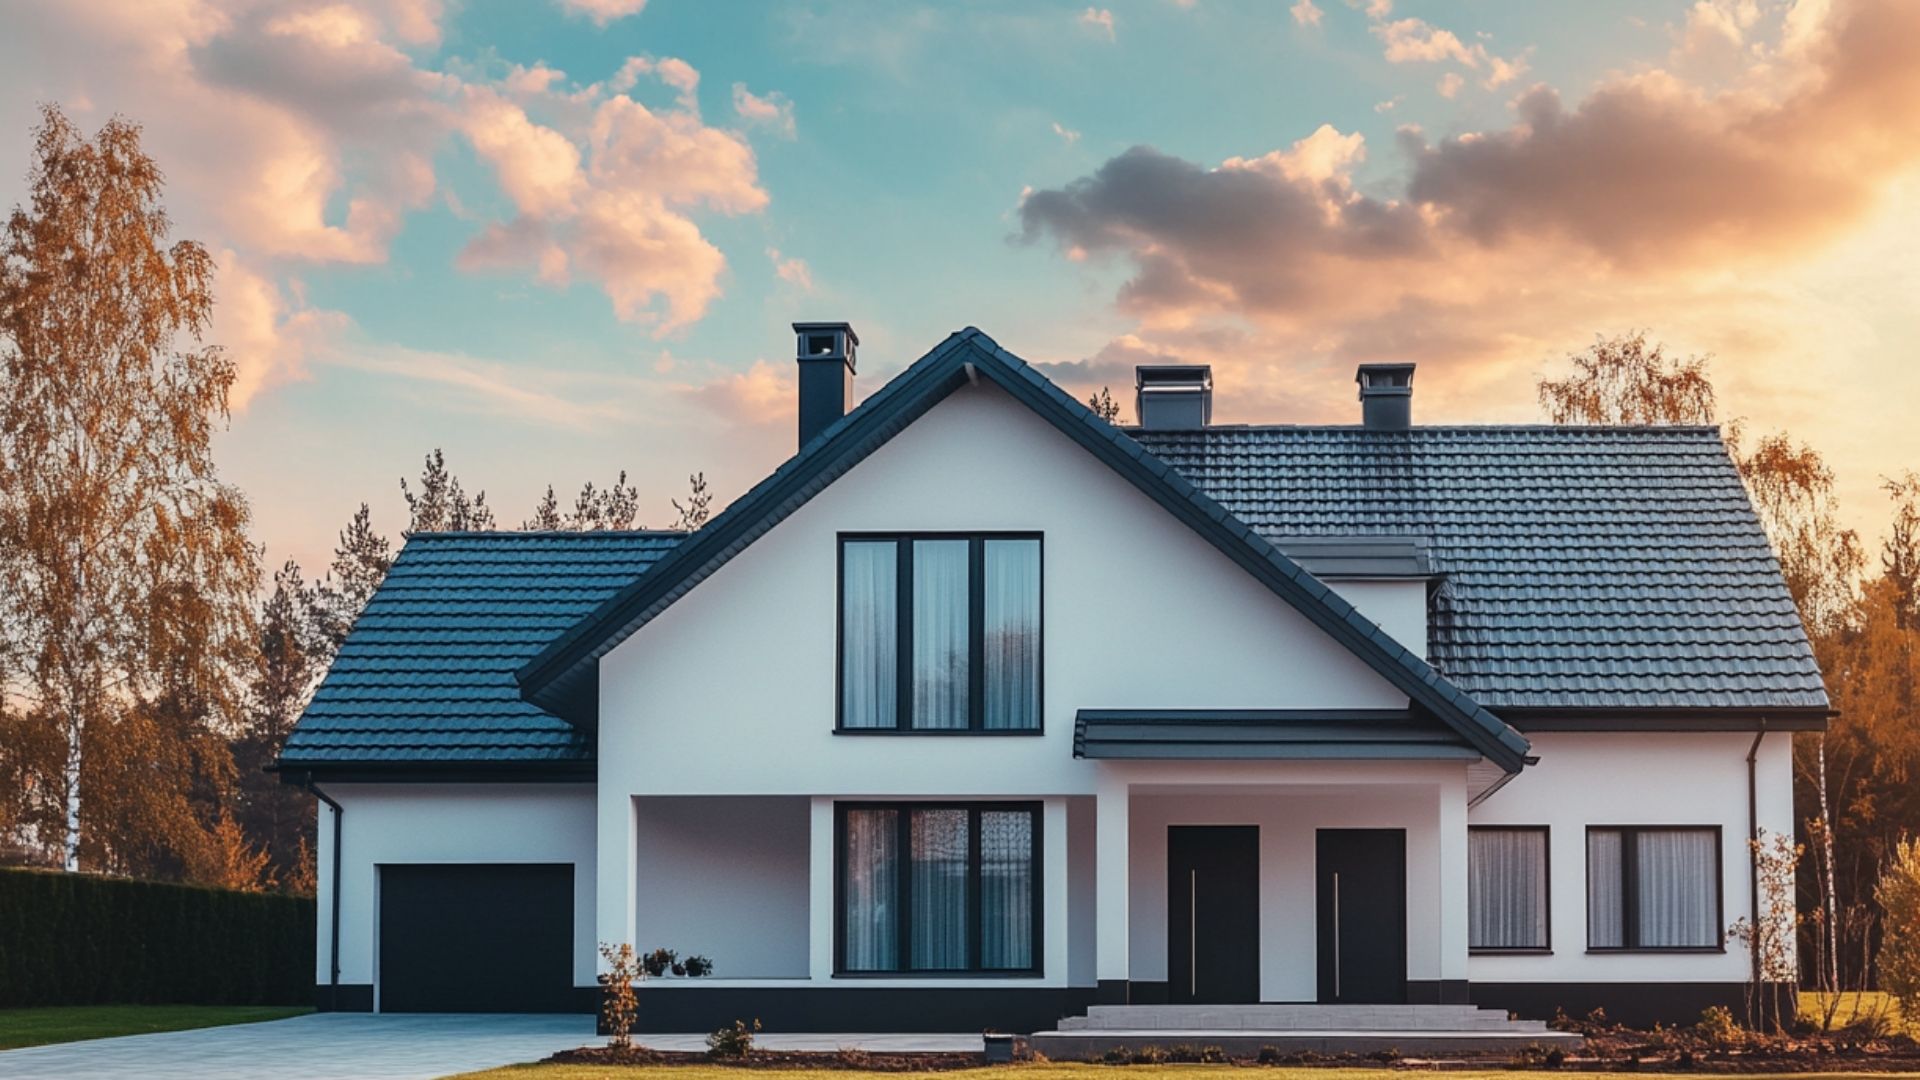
[
  {"x": 774, "y": 110},
  {"x": 603, "y": 12},
  {"x": 1390, "y": 104},
  {"x": 1306, "y": 13},
  {"x": 1450, "y": 84},
  {"x": 1067, "y": 134},
  {"x": 1416, "y": 41},
  {"x": 1098, "y": 21},
  {"x": 792, "y": 270}
]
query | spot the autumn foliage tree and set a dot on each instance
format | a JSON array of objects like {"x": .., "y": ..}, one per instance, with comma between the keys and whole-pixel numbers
[{"x": 126, "y": 578}]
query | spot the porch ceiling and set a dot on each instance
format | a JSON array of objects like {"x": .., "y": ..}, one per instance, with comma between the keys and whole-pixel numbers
[{"x": 1267, "y": 734}]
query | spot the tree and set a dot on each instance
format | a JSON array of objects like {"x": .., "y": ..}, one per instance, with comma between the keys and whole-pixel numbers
[
  {"x": 125, "y": 574},
  {"x": 275, "y": 818},
  {"x": 1899, "y": 896},
  {"x": 1792, "y": 491},
  {"x": 699, "y": 501},
  {"x": 594, "y": 509},
  {"x": 441, "y": 505},
  {"x": 1624, "y": 380},
  {"x": 360, "y": 563},
  {"x": 1900, "y": 554},
  {"x": 1104, "y": 406}
]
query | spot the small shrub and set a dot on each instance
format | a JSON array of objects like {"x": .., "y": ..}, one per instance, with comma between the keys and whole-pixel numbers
[
  {"x": 1183, "y": 1053},
  {"x": 733, "y": 1042},
  {"x": 1212, "y": 1055},
  {"x": 1117, "y": 1055},
  {"x": 1718, "y": 1027},
  {"x": 1269, "y": 1055},
  {"x": 1150, "y": 1055},
  {"x": 618, "y": 1006},
  {"x": 1899, "y": 895},
  {"x": 659, "y": 962},
  {"x": 1385, "y": 1057},
  {"x": 852, "y": 1057},
  {"x": 697, "y": 966}
]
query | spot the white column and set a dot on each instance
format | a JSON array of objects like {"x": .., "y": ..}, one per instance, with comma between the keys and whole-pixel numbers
[
  {"x": 1110, "y": 876},
  {"x": 820, "y": 912},
  {"x": 1451, "y": 850},
  {"x": 613, "y": 870},
  {"x": 1054, "y": 873}
]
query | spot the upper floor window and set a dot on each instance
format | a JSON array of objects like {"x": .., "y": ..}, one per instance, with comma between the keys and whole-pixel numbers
[
  {"x": 1506, "y": 888},
  {"x": 1653, "y": 887},
  {"x": 940, "y": 633}
]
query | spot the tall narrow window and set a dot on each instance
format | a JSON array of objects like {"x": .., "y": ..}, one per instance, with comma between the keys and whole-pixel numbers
[
  {"x": 1507, "y": 888},
  {"x": 1654, "y": 887},
  {"x": 939, "y": 889},
  {"x": 940, "y": 633}
]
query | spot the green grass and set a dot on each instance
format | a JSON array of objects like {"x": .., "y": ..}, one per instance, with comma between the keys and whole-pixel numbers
[
  {"x": 38, "y": 1027},
  {"x": 1055, "y": 1071}
]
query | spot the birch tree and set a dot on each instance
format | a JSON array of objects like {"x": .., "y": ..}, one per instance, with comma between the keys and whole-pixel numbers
[{"x": 125, "y": 575}]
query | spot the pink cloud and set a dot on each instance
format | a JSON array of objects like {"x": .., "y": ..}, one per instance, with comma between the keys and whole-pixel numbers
[{"x": 603, "y": 12}]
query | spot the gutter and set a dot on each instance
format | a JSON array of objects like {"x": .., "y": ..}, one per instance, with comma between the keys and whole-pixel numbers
[
  {"x": 1753, "y": 846},
  {"x": 333, "y": 936}
]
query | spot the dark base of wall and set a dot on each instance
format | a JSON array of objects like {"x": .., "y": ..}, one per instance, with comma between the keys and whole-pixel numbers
[
  {"x": 1637, "y": 1005},
  {"x": 1437, "y": 992},
  {"x": 853, "y": 1008},
  {"x": 347, "y": 997}
]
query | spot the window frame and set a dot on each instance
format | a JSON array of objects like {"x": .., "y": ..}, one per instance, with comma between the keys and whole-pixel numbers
[
  {"x": 1629, "y": 890},
  {"x": 1546, "y": 868},
  {"x": 904, "y": 812},
  {"x": 903, "y": 633}
]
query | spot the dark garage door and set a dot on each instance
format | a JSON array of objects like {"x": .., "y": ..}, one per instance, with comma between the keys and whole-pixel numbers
[{"x": 493, "y": 938}]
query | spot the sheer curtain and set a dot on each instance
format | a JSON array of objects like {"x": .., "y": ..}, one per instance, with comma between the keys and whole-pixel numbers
[
  {"x": 1676, "y": 893},
  {"x": 871, "y": 890},
  {"x": 1012, "y": 615},
  {"x": 1507, "y": 889},
  {"x": 939, "y": 890},
  {"x": 1606, "y": 891},
  {"x": 940, "y": 645},
  {"x": 869, "y": 610},
  {"x": 1006, "y": 889}
]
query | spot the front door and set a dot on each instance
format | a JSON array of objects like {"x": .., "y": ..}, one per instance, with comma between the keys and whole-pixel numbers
[
  {"x": 1213, "y": 914},
  {"x": 1362, "y": 914}
]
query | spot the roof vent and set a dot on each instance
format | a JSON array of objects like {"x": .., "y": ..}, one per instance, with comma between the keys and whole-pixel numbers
[
  {"x": 1173, "y": 396},
  {"x": 824, "y": 352},
  {"x": 1386, "y": 396}
]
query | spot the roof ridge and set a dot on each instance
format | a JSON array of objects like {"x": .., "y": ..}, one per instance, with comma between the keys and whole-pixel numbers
[
  {"x": 537, "y": 534},
  {"x": 1614, "y": 429}
]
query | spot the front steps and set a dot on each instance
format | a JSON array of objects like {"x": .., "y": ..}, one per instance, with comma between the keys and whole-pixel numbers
[{"x": 1243, "y": 1030}]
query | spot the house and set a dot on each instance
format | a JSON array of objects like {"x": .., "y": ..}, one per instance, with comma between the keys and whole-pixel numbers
[{"x": 979, "y": 711}]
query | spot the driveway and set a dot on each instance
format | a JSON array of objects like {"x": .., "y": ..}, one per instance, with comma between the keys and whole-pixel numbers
[{"x": 320, "y": 1046}]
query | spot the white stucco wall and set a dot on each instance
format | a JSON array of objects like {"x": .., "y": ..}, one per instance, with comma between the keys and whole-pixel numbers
[
  {"x": 449, "y": 823},
  {"x": 1399, "y": 607},
  {"x": 724, "y": 878},
  {"x": 1632, "y": 778}
]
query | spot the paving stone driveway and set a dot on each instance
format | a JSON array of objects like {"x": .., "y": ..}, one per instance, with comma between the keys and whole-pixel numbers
[{"x": 321, "y": 1046}]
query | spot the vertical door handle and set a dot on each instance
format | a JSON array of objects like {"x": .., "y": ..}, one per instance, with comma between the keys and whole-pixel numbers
[
  {"x": 1193, "y": 932},
  {"x": 1336, "y": 935}
]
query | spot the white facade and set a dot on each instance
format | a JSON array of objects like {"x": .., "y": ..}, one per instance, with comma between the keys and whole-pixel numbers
[{"x": 711, "y": 830}]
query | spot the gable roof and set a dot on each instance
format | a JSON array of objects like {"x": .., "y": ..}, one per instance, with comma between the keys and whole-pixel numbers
[
  {"x": 1582, "y": 567},
  {"x": 426, "y": 676},
  {"x": 561, "y": 678},
  {"x": 1266, "y": 735}
]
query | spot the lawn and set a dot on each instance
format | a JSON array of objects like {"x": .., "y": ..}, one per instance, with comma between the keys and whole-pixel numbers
[
  {"x": 1852, "y": 1005},
  {"x": 38, "y": 1027},
  {"x": 1060, "y": 1073}
]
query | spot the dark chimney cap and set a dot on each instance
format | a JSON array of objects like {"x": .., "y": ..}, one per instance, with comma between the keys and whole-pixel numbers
[
  {"x": 824, "y": 352},
  {"x": 1386, "y": 396},
  {"x": 1173, "y": 396},
  {"x": 825, "y": 341}
]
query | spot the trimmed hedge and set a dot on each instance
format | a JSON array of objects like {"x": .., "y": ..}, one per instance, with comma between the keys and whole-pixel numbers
[{"x": 75, "y": 939}]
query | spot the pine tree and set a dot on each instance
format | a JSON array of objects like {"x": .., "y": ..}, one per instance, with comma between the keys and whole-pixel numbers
[
  {"x": 441, "y": 505},
  {"x": 698, "y": 505},
  {"x": 360, "y": 563},
  {"x": 276, "y": 818}
]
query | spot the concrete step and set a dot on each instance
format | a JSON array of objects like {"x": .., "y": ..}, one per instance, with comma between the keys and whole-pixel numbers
[
  {"x": 1291, "y": 1017},
  {"x": 1087, "y": 1045}
]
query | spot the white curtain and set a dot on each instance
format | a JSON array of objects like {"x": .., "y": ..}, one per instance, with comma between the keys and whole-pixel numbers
[
  {"x": 871, "y": 890},
  {"x": 1676, "y": 893},
  {"x": 939, "y": 890},
  {"x": 869, "y": 609},
  {"x": 1006, "y": 889},
  {"x": 940, "y": 648},
  {"x": 1012, "y": 613},
  {"x": 1507, "y": 889},
  {"x": 1606, "y": 923}
]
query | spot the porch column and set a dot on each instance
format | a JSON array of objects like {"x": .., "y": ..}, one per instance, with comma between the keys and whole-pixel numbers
[
  {"x": 820, "y": 913},
  {"x": 1452, "y": 852},
  {"x": 1110, "y": 893}
]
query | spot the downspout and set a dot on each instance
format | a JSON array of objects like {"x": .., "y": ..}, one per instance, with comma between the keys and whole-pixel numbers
[
  {"x": 1753, "y": 849},
  {"x": 333, "y": 936}
]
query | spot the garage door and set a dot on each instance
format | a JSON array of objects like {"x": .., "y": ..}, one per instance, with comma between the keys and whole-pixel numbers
[{"x": 492, "y": 938}]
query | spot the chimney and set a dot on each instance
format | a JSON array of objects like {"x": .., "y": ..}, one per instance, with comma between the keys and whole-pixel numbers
[
  {"x": 824, "y": 353},
  {"x": 1386, "y": 396},
  {"x": 1173, "y": 396}
]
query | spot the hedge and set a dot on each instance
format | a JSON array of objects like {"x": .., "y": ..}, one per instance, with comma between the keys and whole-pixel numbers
[{"x": 74, "y": 939}]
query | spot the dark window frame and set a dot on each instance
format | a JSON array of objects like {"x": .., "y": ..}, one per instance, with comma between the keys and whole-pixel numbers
[
  {"x": 904, "y": 844},
  {"x": 1629, "y": 889},
  {"x": 1546, "y": 868},
  {"x": 903, "y": 632}
]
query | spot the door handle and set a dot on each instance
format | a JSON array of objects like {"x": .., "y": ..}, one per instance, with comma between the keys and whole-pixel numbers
[
  {"x": 1193, "y": 933},
  {"x": 1336, "y": 935}
]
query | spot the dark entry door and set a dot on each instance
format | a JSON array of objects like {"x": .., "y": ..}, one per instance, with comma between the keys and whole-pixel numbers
[
  {"x": 1362, "y": 914},
  {"x": 1213, "y": 913},
  {"x": 476, "y": 938}
]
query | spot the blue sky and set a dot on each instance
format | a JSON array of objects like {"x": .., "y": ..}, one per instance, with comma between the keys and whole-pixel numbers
[{"x": 422, "y": 211}]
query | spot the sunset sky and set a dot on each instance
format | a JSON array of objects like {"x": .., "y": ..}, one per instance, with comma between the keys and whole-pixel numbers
[{"x": 563, "y": 239}]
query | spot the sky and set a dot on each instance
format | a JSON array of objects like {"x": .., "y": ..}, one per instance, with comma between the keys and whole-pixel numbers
[{"x": 562, "y": 239}]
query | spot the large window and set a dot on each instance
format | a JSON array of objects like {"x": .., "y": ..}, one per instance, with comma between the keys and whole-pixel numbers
[
  {"x": 950, "y": 889},
  {"x": 1507, "y": 888},
  {"x": 940, "y": 633},
  {"x": 1653, "y": 887}
]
